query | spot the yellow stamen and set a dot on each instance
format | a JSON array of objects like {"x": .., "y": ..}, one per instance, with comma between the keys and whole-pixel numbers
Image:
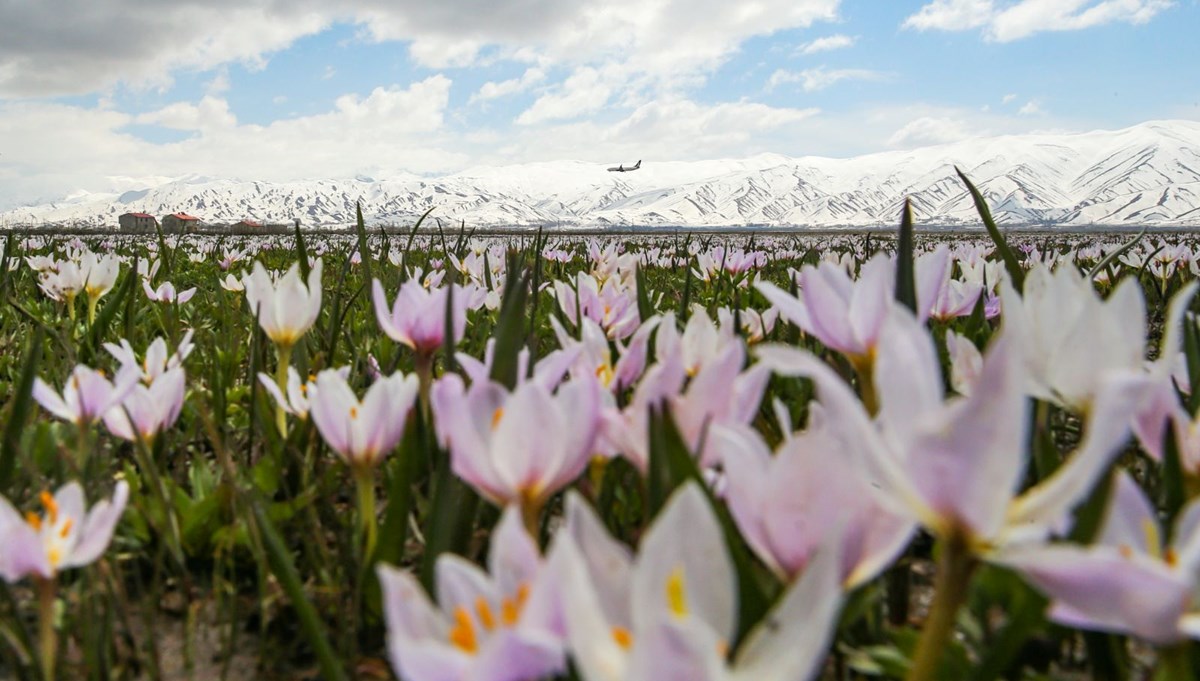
[
  {"x": 510, "y": 608},
  {"x": 1125, "y": 551},
  {"x": 1170, "y": 557},
  {"x": 54, "y": 555},
  {"x": 51, "y": 506},
  {"x": 34, "y": 520},
  {"x": 496, "y": 416},
  {"x": 462, "y": 635},
  {"x": 676, "y": 596},
  {"x": 66, "y": 528},
  {"x": 623, "y": 638},
  {"x": 353, "y": 412},
  {"x": 1153, "y": 538},
  {"x": 605, "y": 374},
  {"x": 484, "y": 610}
]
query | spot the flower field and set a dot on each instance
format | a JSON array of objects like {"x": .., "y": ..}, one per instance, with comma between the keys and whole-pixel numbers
[{"x": 438, "y": 456}]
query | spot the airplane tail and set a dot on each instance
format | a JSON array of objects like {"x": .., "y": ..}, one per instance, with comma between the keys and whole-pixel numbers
[{"x": 637, "y": 165}]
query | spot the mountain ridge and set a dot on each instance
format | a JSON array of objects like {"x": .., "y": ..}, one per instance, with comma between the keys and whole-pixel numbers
[{"x": 1147, "y": 174}]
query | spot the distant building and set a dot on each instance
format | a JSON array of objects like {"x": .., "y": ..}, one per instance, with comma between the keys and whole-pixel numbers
[
  {"x": 180, "y": 222},
  {"x": 248, "y": 226},
  {"x": 137, "y": 222}
]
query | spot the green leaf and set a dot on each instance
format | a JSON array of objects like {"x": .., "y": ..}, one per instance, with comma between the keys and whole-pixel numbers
[
  {"x": 1172, "y": 477},
  {"x": 1112, "y": 257},
  {"x": 906, "y": 286},
  {"x": 510, "y": 331},
  {"x": 301, "y": 252},
  {"x": 1015, "y": 272},
  {"x": 1090, "y": 514},
  {"x": 364, "y": 250},
  {"x": 18, "y": 411},
  {"x": 645, "y": 308}
]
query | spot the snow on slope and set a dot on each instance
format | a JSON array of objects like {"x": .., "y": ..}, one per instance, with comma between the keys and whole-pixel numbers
[{"x": 1146, "y": 174}]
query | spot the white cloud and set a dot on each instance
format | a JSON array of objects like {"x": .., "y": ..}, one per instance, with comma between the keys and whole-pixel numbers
[
  {"x": 929, "y": 130},
  {"x": 219, "y": 84},
  {"x": 819, "y": 78},
  {"x": 494, "y": 90},
  {"x": 1016, "y": 20},
  {"x": 1032, "y": 16},
  {"x": 828, "y": 43},
  {"x": 328, "y": 73},
  {"x": 122, "y": 41},
  {"x": 584, "y": 91},
  {"x": 211, "y": 113},
  {"x": 1031, "y": 108},
  {"x": 56, "y": 148},
  {"x": 1008, "y": 99},
  {"x": 951, "y": 15}
]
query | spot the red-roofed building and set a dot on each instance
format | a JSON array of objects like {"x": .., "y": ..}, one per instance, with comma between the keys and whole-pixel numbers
[
  {"x": 179, "y": 222},
  {"x": 247, "y": 225},
  {"x": 137, "y": 222}
]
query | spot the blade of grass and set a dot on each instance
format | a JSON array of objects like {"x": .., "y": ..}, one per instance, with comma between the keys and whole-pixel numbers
[
  {"x": 1015, "y": 271},
  {"x": 906, "y": 286},
  {"x": 20, "y": 406}
]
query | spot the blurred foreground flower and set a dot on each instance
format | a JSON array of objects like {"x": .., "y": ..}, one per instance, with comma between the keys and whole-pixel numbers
[
  {"x": 66, "y": 535},
  {"x": 1131, "y": 581},
  {"x": 671, "y": 612},
  {"x": 493, "y": 626}
]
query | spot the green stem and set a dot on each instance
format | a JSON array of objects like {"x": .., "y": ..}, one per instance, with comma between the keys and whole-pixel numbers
[
  {"x": 284, "y": 354},
  {"x": 364, "y": 481},
  {"x": 1175, "y": 663},
  {"x": 71, "y": 307},
  {"x": 424, "y": 368},
  {"x": 954, "y": 569},
  {"x": 531, "y": 516},
  {"x": 92, "y": 301},
  {"x": 47, "y": 635}
]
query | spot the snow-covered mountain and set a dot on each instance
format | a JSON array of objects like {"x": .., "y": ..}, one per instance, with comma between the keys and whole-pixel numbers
[{"x": 1148, "y": 174}]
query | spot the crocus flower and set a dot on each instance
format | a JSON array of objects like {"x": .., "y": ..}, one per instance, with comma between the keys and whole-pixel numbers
[
  {"x": 417, "y": 318},
  {"x": 1070, "y": 338},
  {"x": 287, "y": 308},
  {"x": 156, "y": 361},
  {"x": 148, "y": 409},
  {"x": 362, "y": 433},
  {"x": 67, "y": 535},
  {"x": 165, "y": 293},
  {"x": 848, "y": 316},
  {"x": 611, "y": 305},
  {"x": 701, "y": 341},
  {"x": 99, "y": 276},
  {"x": 296, "y": 400},
  {"x": 957, "y": 466},
  {"x": 232, "y": 283},
  {"x": 485, "y": 627},
  {"x": 966, "y": 363},
  {"x": 594, "y": 356},
  {"x": 671, "y": 612},
  {"x": 1130, "y": 581},
  {"x": 720, "y": 394},
  {"x": 808, "y": 494},
  {"x": 518, "y": 447},
  {"x": 86, "y": 397}
]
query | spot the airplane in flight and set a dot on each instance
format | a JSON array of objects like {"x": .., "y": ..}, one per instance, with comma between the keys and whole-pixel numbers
[{"x": 623, "y": 169}]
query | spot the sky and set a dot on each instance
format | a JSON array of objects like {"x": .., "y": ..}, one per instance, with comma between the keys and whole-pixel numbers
[{"x": 116, "y": 95}]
